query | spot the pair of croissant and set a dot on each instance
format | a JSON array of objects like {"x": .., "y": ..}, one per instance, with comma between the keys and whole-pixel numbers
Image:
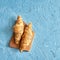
[{"x": 23, "y": 35}]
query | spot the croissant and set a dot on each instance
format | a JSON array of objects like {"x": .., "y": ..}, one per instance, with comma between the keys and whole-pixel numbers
[
  {"x": 22, "y": 35},
  {"x": 27, "y": 38},
  {"x": 12, "y": 43},
  {"x": 18, "y": 29}
]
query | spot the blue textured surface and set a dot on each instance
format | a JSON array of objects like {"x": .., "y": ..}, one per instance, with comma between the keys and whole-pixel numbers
[{"x": 45, "y": 16}]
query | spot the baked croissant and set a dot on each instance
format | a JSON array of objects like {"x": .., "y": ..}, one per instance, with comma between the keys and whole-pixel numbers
[
  {"x": 18, "y": 29},
  {"x": 27, "y": 37}
]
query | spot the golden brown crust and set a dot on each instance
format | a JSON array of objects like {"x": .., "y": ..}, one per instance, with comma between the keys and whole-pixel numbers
[
  {"x": 27, "y": 48},
  {"x": 18, "y": 29},
  {"x": 22, "y": 35},
  {"x": 27, "y": 38},
  {"x": 12, "y": 41}
]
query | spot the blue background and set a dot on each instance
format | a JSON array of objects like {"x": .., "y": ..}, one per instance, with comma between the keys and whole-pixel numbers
[{"x": 45, "y": 17}]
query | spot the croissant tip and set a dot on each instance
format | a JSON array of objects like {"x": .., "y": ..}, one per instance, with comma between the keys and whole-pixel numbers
[{"x": 19, "y": 17}]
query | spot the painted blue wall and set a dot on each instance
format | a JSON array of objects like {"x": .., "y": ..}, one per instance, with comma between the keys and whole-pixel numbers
[{"x": 45, "y": 17}]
